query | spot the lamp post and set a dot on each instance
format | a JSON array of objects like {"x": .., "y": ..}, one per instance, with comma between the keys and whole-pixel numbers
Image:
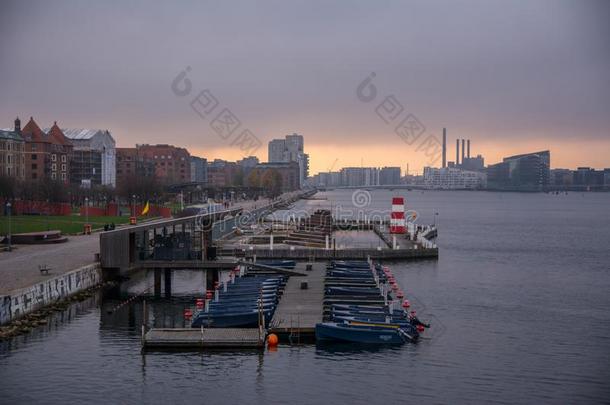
[
  {"x": 435, "y": 215},
  {"x": 8, "y": 207},
  {"x": 133, "y": 205},
  {"x": 86, "y": 210}
]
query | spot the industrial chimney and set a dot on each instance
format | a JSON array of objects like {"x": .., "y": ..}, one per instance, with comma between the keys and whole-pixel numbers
[
  {"x": 468, "y": 148},
  {"x": 457, "y": 152},
  {"x": 444, "y": 147},
  {"x": 463, "y": 151}
]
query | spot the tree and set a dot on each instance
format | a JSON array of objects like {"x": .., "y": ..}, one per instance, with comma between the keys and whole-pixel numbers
[{"x": 272, "y": 182}]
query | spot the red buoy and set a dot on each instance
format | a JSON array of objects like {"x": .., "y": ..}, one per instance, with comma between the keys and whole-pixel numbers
[
  {"x": 400, "y": 294},
  {"x": 188, "y": 313},
  {"x": 406, "y": 304},
  {"x": 420, "y": 328}
]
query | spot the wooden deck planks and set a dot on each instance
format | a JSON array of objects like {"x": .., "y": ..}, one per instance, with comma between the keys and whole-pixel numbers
[
  {"x": 299, "y": 310},
  {"x": 206, "y": 337}
]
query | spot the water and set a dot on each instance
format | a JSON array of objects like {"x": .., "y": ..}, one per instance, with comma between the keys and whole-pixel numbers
[{"x": 519, "y": 302}]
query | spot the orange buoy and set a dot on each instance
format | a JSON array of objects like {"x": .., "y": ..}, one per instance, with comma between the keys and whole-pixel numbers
[{"x": 272, "y": 340}]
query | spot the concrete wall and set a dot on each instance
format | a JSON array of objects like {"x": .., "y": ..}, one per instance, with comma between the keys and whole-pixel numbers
[{"x": 23, "y": 301}]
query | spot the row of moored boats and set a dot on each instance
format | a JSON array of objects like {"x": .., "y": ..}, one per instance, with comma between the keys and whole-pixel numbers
[{"x": 364, "y": 304}]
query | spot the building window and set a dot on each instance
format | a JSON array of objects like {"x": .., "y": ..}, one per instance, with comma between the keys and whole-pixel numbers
[
  {"x": 34, "y": 176},
  {"x": 54, "y": 167},
  {"x": 63, "y": 168},
  {"x": 34, "y": 156},
  {"x": 33, "y": 147},
  {"x": 54, "y": 157},
  {"x": 53, "y": 176},
  {"x": 34, "y": 166},
  {"x": 63, "y": 176},
  {"x": 63, "y": 158}
]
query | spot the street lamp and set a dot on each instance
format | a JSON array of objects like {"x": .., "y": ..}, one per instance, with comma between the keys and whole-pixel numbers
[
  {"x": 8, "y": 206},
  {"x": 133, "y": 205},
  {"x": 87, "y": 210}
]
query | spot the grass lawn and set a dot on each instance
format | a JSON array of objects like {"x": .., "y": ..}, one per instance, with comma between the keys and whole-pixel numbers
[{"x": 70, "y": 224}]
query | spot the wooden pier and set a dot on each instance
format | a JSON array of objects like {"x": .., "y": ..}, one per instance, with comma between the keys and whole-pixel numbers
[
  {"x": 193, "y": 338},
  {"x": 300, "y": 309}
]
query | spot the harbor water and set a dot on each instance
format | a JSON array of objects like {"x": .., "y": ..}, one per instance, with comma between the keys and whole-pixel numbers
[{"x": 519, "y": 302}]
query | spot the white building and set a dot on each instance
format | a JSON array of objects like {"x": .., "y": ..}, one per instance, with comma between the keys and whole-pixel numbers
[
  {"x": 449, "y": 178},
  {"x": 94, "y": 156}
]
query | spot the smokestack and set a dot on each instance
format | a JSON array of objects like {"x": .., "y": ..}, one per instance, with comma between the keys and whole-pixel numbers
[
  {"x": 463, "y": 151},
  {"x": 444, "y": 147},
  {"x": 457, "y": 152},
  {"x": 468, "y": 148}
]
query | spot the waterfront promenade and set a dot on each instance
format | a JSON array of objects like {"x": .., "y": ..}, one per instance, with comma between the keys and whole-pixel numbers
[{"x": 20, "y": 268}]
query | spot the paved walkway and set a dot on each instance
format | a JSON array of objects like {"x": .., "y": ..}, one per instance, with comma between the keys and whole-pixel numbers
[{"x": 19, "y": 268}]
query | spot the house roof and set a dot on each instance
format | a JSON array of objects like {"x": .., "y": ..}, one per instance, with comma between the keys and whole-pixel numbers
[
  {"x": 31, "y": 132},
  {"x": 10, "y": 134},
  {"x": 57, "y": 136}
]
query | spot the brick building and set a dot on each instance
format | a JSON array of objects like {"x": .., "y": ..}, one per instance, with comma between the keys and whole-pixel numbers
[
  {"x": 172, "y": 164},
  {"x": 47, "y": 155},
  {"x": 130, "y": 163},
  {"x": 12, "y": 159}
]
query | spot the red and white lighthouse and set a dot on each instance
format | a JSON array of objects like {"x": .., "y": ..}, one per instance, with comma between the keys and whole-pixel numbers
[{"x": 397, "y": 217}]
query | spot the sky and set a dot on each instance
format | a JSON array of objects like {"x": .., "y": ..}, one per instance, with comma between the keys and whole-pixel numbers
[{"x": 513, "y": 77}]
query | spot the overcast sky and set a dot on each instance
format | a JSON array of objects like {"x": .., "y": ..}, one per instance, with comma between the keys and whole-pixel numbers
[{"x": 513, "y": 76}]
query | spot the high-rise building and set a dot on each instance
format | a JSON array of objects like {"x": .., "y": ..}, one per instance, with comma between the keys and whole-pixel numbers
[
  {"x": 12, "y": 147},
  {"x": 290, "y": 149},
  {"x": 276, "y": 150},
  {"x": 47, "y": 155}
]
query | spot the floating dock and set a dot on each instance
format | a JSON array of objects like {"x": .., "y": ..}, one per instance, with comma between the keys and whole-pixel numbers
[
  {"x": 193, "y": 338},
  {"x": 300, "y": 309}
]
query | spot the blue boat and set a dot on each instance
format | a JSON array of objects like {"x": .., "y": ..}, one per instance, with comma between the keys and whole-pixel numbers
[
  {"x": 243, "y": 319},
  {"x": 348, "y": 263},
  {"x": 369, "y": 334},
  {"x": 352, "y": 291},
  {"x": 285, "y": 264}
]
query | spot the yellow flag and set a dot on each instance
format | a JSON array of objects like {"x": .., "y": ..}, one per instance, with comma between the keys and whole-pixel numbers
[{"x": 146, "y": 209}]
